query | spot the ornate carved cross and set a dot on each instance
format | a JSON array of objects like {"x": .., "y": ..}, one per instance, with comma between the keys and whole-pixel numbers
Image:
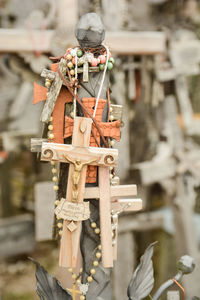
[{"x": 102, "y": 157}]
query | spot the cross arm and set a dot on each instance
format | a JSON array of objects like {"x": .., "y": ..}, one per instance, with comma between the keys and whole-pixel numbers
[
  {"x": 105, "y": 157},
  {"x": 116, "y": 191}
]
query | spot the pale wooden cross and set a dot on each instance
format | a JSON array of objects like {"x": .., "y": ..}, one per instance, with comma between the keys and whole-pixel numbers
[
  {"x": 105, "y": 158},
  {"x": 117, "y": 195}
]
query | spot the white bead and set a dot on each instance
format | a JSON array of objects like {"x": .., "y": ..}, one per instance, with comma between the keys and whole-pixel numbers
[
  {"x": 111, "y": 117},
  {"x": 54, "y": 170},
  {"x": 55, "y": 178},
  {"x": 50, "y": 127},
  {"x": 51, "y": 136},
  {"x": 55, "y": 187},
  {"x": 112, "y": 143}
]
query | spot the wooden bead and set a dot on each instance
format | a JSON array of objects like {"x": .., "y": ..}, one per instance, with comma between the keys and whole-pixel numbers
[
  {"x": 89, "y": 279},
  {"x": 101, "y": 67},
  {"x": 54, "y": 170},
  {"x": 57, "y": 202},
  {"x": 51, "y": 136},
  {"x": 110, "y": 66},
  {"x": 47, "y": 84},
  {"x": 59, "y": 225},
  {"x": 69, "y": 57},
  {"x": 58, "y": 218},
  {"x": 73, "y": 276},
  {"x": 72, "y": 114},
  {"x": 93, "y": 225},
  {"x": 94, "y": 62},
  {"x": 70, "y": 65},
  {"x": 81, "y": 270},
  {"x": 53, "y": 163},
  {"x": 70, "y": 270},
  {"x": 72, "y": 72},
  {"x": 97, "y": 230},
  {"x": 78, "y": 281},
  {"x": 111, "y": 109},
  {"x": 98, "y": 254},
  {"x": 92, "y": 271},
  {"x": 55, "y": 187},
  {"x": 79, "y": 53},
  {"x": 112, "y": 143},
  {"x": 111, "y": 176},
  {"x": 55, "y": 178},
  {"x": 60, "y": 232},
  {"x": 112, "y": 60},
  {"x": 50, "y": 127},
  {"x": 51, "y": 119},
  {"x": 102, "y": 59},
  {"x": 82, "y": 297},
  {"x": 99, "y": 247},
  {"x": 95, "y": 263}
]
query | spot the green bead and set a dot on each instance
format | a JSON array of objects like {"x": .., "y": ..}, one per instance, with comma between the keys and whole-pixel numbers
[
  {"x": 112, "y": 60},
  {"x": 79, "y": 53},
  {"x": 101, "y": 67},
  {"x": 110, "y": 65}
]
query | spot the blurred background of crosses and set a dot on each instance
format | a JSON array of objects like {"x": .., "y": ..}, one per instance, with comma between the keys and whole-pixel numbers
[{"x": 148, "y": 86}]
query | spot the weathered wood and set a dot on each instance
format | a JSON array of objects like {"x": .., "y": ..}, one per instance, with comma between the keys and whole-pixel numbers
[
  {"x": 116, "y": 111},
  {"x": 16, "y": 235},
  {"x": 116, "y": 191},
  {"x": 53, "y": 92},
  {"x": 57, "y": 152},
  {"x": 164, "y": 168},
  {"x": 36, "y": 144},
  {"x": 44, "y": 210},
  {"x": 121, "y": 42},
  {"x": 173, "y": 295},
  {"x": 141, "y": 222}
]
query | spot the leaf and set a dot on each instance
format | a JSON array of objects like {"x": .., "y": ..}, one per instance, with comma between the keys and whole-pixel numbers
[
  {"x": 48, "y": 287},
  {"x": 142, "y": 280}
]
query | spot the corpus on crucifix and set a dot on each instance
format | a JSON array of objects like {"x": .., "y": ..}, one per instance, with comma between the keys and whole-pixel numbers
[{"x": 81, "y": 127}]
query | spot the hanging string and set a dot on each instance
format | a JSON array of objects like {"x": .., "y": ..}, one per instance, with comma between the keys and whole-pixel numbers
[
  {"x": 102, "y": 81},
  {"x": 180, "y": 286}
]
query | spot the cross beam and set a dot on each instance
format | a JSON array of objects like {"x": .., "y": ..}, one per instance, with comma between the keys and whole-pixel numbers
[
  {"x": 113, "y": 194},
  {"x": 121, "y": 42}
]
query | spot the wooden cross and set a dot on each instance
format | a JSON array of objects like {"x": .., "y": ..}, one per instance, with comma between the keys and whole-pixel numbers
[
  {"x": 54, "y": 92},
  {"x": 104, "y": 158},
  {"x": 114, "y": 193},
  {"x": 74, "y": 291}
]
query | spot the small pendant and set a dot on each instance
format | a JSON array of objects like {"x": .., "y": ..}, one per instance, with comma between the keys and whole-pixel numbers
[{"x": 83, "y": 288}]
